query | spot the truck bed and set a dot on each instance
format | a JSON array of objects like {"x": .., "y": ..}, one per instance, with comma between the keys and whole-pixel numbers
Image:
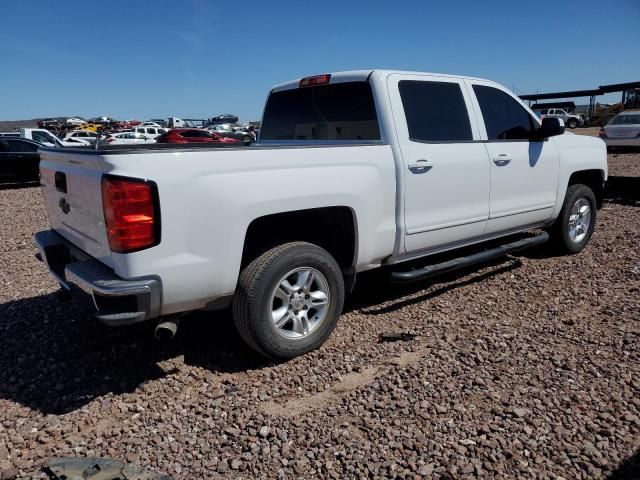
[{"x": 208, "y": 197}]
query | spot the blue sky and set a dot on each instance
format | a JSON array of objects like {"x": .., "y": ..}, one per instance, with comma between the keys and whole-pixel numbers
[{"x": 198, "y": 58}]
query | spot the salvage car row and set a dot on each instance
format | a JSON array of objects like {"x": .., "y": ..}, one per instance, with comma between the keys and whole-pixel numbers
[{"x": 19, "y": 156}]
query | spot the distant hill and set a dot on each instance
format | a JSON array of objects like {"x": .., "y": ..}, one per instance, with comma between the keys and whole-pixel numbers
[{"x": 13, "y": 124}]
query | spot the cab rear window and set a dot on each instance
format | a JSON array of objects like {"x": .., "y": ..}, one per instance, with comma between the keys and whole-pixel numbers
[{"x": 341, "y": 111}]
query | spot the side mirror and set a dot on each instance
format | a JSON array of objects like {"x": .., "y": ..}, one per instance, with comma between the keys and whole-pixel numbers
[{"x": 551, "y": 126}]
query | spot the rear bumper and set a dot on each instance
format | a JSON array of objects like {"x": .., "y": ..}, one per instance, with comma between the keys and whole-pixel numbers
[
  {"x": 114, "y": 300},
  {"x": 622, "y": 142}
]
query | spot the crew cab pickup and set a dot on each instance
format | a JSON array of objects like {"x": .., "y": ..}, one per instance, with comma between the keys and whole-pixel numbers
[{"x": 352, "y": 171}]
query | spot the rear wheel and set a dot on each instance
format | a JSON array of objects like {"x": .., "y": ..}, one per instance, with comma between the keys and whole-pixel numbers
[
  {"x": 288, "y": 300},
  {"x": 574, "y": 226}
]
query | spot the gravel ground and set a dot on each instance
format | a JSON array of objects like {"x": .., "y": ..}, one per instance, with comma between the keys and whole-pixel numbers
[{"x": 527, "y": 368}]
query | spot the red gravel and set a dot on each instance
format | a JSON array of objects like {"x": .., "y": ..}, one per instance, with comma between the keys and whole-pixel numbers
[{"x": 529, "y": 368}]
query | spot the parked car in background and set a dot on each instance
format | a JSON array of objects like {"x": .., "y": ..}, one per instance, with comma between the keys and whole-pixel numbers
[
  {"x": 126, "y": 124},
  {"x": 151, "y": 132},
  {"x": 49, "y": 123},
  {"x": 92, "y": 127},
  {"x": 152, "y": 123},
  {"x": 42, "y": 136},
  {"x": 101, "y": 120},
  {"x": 76, "y": 142},
  {"x": 570, "y": 120},
  {"x": 354, "y": 171},
  {"x": 228, "y": 131},
  {"x": 88, "y": 136},
  {"x": 126, "y": 138},
  {"x": 192, "y": 135},
  {"x": 75, "y": 121},
  {"x": 623, "y": 130},
  {"x": 19, "y": 160},
  {"x": 224, "y": 118}
]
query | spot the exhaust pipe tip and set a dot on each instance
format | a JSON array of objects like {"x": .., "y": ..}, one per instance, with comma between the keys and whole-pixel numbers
[{"x": 167, "y": 329}]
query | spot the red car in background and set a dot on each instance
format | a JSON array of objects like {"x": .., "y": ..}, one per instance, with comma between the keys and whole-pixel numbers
[
  {"x": 192, "y": 135},
  {"x": 126, "y": 124}
]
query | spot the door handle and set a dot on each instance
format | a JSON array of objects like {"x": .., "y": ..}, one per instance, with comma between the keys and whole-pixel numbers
[
  {"x": 420, "y": 166},
  {"x": 502, "y": 160}
]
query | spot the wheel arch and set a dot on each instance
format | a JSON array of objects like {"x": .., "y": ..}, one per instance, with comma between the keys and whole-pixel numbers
[
  {"x": 333, "y": 228},
  {"x": 592, "y": 178}
]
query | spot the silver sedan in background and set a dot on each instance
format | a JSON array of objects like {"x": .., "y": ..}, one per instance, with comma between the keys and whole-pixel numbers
[{"x": 623, "y": 130}]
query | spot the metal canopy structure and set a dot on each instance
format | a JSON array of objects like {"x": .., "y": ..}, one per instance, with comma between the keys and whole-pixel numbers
[
  {"x": 618, "y": 87},
  {"x": 601, "y": 90},
  {"x": 564, "y": 105},
  {"x": 571, "y": 94}
]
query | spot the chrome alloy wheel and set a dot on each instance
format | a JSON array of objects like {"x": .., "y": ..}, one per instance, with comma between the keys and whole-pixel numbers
[
  {"x": 579, "y": 220},
  {"x": 300, "y": 302}
]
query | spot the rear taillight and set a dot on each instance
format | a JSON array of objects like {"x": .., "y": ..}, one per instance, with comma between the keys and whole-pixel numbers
[
  {"x": 110, "y": 139},
  {"x": 131, "y": 213},
  {"x": 602, "y": 133}
]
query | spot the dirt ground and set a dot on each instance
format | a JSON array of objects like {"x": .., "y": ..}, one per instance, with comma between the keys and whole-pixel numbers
[{"x": 525, "y": 368}]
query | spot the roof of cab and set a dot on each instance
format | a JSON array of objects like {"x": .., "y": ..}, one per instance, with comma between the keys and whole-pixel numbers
[{"x": 363, "y": 75}]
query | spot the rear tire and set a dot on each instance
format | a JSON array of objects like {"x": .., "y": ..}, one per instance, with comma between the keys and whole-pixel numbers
[
  {"x": 574, "y": 226},
  {"x": 288, "y": 300}
]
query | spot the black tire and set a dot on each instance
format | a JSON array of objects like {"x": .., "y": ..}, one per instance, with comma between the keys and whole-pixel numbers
[
  {"x": 560, "y": 230},
  {"x": 246, "y": 139},
  {"x": 253, "y": 301},
  {"x": 572, "y": 123}
]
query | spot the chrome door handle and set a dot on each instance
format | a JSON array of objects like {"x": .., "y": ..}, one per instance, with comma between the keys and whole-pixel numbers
[
  {"x": 420, "y": 166},
  {"x": 502, "y": 160}
]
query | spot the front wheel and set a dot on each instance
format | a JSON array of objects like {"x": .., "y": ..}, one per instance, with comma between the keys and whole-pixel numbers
[
  {"x": 572, "y": 123},
  {"x": 574, "y": 226},
  {"x": 288, "y": 300}
]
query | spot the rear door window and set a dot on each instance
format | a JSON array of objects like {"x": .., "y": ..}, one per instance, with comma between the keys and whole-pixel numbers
[
  {"x": 341, "y": 111},
  {"x": 504, "y": 117},
  {"x": 435, "y": 111}
]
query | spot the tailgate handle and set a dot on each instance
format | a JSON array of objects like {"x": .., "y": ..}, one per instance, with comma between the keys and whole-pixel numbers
[{"x": 61, "y": 182}]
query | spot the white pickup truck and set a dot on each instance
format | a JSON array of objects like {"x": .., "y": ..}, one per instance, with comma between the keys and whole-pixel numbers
[{"x": 352, "y": 171}]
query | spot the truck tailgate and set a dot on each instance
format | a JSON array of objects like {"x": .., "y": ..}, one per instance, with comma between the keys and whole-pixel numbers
[{"x": 71, "y": 188}]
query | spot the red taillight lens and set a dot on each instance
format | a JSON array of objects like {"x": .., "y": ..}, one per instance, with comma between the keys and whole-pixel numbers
[
  {"x": 130, "y": 214},
  {"x": 602, "y": 133},
  {"x": 317, "y": 80}
]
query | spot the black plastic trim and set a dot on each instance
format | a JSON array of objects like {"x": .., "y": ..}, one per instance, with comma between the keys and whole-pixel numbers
[
  {"x": 189, "y": 147},
  {"x": 469, "y": 260},
  {"x": 519, "y": 140}
]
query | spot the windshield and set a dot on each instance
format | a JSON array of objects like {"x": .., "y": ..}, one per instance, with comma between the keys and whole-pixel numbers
[
  {"x": 626, "y": 120},
  {"x": 43, "y": 137},
  {"x": 342, "y": 111}
]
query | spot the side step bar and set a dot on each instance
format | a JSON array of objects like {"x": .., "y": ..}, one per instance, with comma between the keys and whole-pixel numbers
[{"x": 463, "y": 262}]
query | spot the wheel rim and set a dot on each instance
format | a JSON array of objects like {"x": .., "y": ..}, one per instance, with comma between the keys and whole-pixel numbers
[
  {"x": 579, "y": 220},
  {"x": 299, "y": 303}
]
